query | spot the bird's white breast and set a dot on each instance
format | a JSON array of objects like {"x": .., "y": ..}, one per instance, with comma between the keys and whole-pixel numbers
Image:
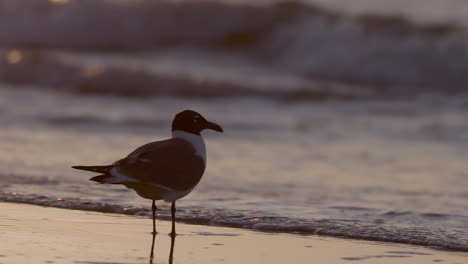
[{"x": 196, "y": 140}]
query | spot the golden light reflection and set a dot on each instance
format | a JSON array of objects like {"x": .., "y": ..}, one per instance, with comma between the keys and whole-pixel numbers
[
  {"x": 59, "y": 2},
  {"x": 93, "y": 70},
  {"x": 196, "y": 79},
  {"x": 14, "y": 56}
]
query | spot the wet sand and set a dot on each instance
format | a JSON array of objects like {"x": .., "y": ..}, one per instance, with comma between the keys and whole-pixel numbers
[{"x": 34, "y": 234}]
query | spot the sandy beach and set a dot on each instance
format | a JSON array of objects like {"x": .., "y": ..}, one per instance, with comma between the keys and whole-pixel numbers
[{"x": 35, "y": 234}]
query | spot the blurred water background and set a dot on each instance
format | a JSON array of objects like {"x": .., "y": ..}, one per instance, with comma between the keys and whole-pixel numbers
[{"x": 341, "y": 118}]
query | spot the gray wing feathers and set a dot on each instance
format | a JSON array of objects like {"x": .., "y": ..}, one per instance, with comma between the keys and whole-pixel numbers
[{"x": 171, "y": 163}]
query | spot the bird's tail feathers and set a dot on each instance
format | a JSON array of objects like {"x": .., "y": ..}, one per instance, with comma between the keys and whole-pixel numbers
[
  {"x": 98, "y": 169},
  {"x": 101, "y": 178},
  {"x": 108, "y": 179},
  {"x": 106, "y": 176}
]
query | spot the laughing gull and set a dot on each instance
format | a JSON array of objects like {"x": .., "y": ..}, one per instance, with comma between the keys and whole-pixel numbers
[{"x": 163, "y": 170}]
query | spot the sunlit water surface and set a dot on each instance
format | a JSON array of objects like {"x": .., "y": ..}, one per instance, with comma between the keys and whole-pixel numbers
[{"x": 383, "y": 170}]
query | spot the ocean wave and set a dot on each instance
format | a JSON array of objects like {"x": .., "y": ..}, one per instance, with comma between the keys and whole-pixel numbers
[
  {"x": 7, "y": 179},
  {"x": 130, "y": 25},
  {"x": 442, "y": 238},
  {"x": 369, "y": 49},
  {"x": 42, "y": 70},
  {"x": 104, "y": 123}
]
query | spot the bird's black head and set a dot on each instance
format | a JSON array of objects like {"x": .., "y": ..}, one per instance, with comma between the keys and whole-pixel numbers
[{"x": 192, "y": 122}]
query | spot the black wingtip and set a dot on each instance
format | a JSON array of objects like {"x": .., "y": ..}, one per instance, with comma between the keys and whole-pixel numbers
[
  {"x": 98, "y": 169},
  {"x": 86, "y": 168}
]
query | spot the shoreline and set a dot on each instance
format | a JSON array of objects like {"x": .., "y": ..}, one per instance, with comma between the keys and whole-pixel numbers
[{"x": 36, "y": 234}]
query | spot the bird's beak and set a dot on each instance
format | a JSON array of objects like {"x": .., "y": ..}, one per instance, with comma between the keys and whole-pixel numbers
[{"x": 214, "y": 127}]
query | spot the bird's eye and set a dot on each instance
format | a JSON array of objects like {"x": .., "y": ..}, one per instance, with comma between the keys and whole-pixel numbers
[{"x": 196, "y": 119}]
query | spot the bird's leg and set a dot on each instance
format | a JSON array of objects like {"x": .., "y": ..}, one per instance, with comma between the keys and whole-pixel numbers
[
  {"x": 171, "y": 254},
  {"x": 173, "y": 210},
  {"x": 152, "y": 249},
  {"x": 154, "y": 208}
]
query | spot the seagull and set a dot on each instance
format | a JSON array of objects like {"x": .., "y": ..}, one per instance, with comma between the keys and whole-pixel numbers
[{"x": 163, "y": 170}]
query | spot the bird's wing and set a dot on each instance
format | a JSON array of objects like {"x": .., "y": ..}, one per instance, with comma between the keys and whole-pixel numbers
[{"x": 170, "y": 163}]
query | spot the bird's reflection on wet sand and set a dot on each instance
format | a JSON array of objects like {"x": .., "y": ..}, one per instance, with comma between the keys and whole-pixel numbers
[{"x": 171, "y": 253}]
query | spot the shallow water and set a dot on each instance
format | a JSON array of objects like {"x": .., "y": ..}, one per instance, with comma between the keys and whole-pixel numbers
[{"x": 381, "y": 170}]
